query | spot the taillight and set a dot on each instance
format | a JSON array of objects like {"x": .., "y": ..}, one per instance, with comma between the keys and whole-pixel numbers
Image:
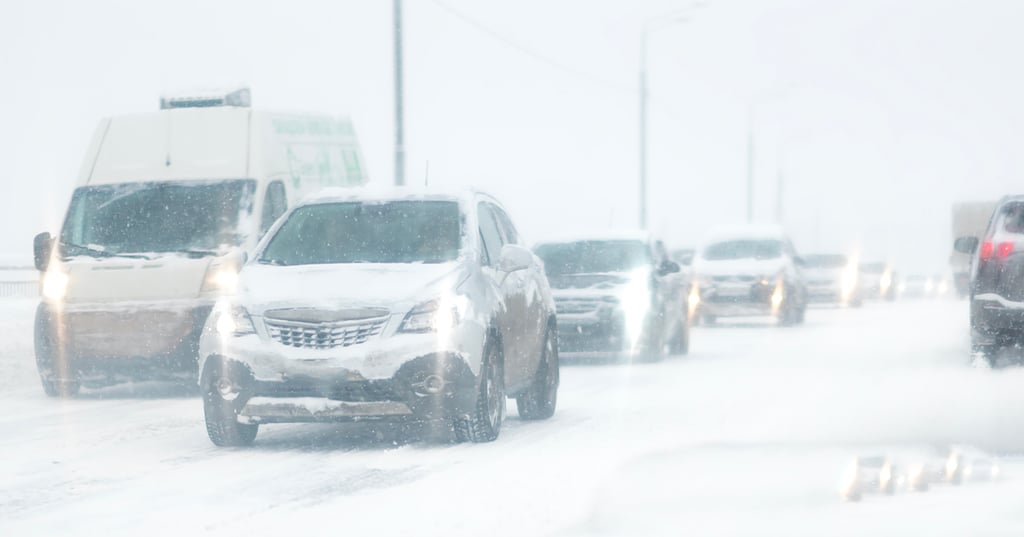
[{"x": 1002, "y": 250}]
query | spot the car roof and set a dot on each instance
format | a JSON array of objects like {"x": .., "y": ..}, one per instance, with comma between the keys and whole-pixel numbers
[
  {"x": 746, "y": 232},
  {"x": 610, "y": 235},
  {"x": 465, "y": 197}
]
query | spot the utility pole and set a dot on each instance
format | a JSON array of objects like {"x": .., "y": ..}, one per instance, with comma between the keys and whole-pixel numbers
[
  {"x": 399, "y": 108},
  {"x": 750, "y": 169},
  {"x": 643, "y": 129},
  {"x": 780, "y": 181}
]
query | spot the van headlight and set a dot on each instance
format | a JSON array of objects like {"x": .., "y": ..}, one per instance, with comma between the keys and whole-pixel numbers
[
  {"x": 234, "y": 321},
  {"x": 55, "y": 284},
  {"x": 221, "y": 277},
  {"x": 437, "y": 315}
]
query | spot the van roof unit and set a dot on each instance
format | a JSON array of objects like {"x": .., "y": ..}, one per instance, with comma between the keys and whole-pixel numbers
[{"x": 241, "y": 97}]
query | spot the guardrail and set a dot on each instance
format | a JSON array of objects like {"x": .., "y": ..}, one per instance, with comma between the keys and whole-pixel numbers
[{"x": 18, "y": 282}]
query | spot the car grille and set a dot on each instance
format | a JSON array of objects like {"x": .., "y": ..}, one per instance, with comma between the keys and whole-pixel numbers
[
  {"x": 577, "y": 305},
  {"x": 324, "y": 335},
  {"x": 731, "y": 278}
]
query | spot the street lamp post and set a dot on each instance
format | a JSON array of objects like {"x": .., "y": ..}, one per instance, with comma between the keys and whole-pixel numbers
[
  {"x": 399, "y": 108},
  {"x": 666, "y": 20}
]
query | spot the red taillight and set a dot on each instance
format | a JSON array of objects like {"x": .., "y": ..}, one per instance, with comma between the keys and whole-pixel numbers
[{"x": 1003, "y": 250}]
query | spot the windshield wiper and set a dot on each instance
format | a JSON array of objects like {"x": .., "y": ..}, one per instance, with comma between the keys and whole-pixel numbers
[
  {"x": 195, "y": 252},
  {"x": 96, "y": 252},
  {"x": 275, "y": 262}
]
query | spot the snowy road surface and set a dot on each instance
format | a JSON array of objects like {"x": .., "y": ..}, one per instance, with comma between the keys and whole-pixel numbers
[{"x": 746, "y": 436}]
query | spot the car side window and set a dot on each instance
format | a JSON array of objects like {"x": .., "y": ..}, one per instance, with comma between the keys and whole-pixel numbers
[
  {"x": 508, "y": 229},
  {"x": 489, "y": 234},
  {"x": 275, "y": 203}
]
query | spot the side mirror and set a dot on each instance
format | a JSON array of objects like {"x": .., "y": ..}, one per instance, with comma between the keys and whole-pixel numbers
[
  {"x": 668, "y": 267},
  {"x": 514, "y": 258},
  {"x": 42, "y": 246},
  {"x": 966, "y": 245}
]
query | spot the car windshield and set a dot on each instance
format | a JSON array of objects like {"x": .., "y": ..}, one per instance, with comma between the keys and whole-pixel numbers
[
  {"x": 592, "y": 256},
  {"x": 825, "y": 261},
  {"x": 157, "y": 217},
  {"x": 355, "y": 232},
  {"x": 743, "y": 249}
]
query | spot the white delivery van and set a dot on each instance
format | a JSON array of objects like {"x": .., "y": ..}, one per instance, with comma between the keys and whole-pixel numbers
[{"x": 165, "y": 206}]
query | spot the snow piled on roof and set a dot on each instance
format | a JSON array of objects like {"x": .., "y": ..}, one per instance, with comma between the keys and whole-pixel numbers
[{"x": 390, "y": 193}]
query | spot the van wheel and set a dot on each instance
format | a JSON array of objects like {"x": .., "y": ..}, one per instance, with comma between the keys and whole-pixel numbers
[
  {"x": 57, "y": 376},
  {"x": 223, "y": 397},
  {"x": 485, "y": 422},
  {"x": 680, "y": 342},
  {"x": 539, "y": 400}
]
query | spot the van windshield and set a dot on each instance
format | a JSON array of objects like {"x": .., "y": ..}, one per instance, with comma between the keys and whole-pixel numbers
[{"x": 173, "y": 216}]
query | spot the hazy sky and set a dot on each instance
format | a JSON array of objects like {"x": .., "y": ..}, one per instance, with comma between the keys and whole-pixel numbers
[{"x": 878, "y": 113}]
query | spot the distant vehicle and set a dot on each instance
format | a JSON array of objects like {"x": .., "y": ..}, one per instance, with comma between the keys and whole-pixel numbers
[
  {"x": 617, "y": 294},
  {"x": 750, "y": 271},
  {"x": 878, "y": 281},
  {"x": 833, "y": 279},
  {"x": 969, "y": 220},
  {"x": 165, "y": 200},
  {"x": 417, "y": 306},
  {"x": 869, "y": 475},
  {"x": 997, "y": 288},
  {"x": 918, "y": 286}
]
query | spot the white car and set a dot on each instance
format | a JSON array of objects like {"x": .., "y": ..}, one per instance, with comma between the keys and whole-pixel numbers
[
  {"x": 750, "y": 271},
  {"x": 399, "y": 306},
  {"x": 832, "y": 279}
]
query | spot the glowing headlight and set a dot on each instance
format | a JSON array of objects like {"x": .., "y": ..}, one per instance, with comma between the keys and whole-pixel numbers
[
  {"x": 221, "y": 277},
  {"x": 233, "y": 321},
  {"x": 55, "y": 284},
  {"x": 885, "y": 281},
  {"x": 849, "y": 281},
  {"x": 635, "y": 299},
  {"x": 848, "y": 484},
  {"x": 438, "y": 315}
]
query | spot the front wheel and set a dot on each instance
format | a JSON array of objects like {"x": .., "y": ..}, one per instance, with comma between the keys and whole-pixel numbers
[
  {"x": 680, "y": 342},
  {"x": 223, "y": 397},
  {"x": 539, "y": 400},
  {"x": 484, "y": 424},
  {"x": 55, "y": 371}
]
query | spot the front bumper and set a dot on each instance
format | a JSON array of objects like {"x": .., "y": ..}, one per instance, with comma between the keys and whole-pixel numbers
[
  {"x": 104, "y": 345},
  {"x": 394, "y": 376},
  {"x": 737, "y": 300}
]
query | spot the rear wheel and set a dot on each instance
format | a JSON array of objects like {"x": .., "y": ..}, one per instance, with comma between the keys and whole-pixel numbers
[
  {"x": 986, "y": 354},
  {"x": 539, "y": 400},
  {"x": 484, "y": 424},
  {"x": 223, "y": 397}
]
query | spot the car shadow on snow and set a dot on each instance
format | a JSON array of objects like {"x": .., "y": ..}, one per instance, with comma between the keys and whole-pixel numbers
[{"x": 142, "y": 390}]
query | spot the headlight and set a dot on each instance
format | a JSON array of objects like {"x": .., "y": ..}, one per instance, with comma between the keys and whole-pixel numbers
[
  {"x": 234, "y": 321},
  {"x": 55, "y": 284},
  {"x": 221, "y": 277},
  {"x": 438, "y": 315}
]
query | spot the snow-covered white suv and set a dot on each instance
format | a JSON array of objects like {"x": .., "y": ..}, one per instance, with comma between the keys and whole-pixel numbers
[{"x": 404, "y": 305}]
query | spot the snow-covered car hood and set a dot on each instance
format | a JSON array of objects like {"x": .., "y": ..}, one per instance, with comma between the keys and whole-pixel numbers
[
  {"x": 593, "y": 283},
  {"x": 397, "y": 286},
  {"x": 740, "y": 267}
]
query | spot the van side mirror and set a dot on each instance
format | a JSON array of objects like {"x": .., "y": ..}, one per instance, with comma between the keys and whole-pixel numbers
[
  {"x": 514, "y": 258},
  {"x": 42, "y": 247},
  {"x": 668, "y": 267},
  {"x": 966, "y": 245}
]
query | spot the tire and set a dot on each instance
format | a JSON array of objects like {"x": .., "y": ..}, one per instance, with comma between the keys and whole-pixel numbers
[
  {"x": 56, "y": 376},
  {"x": 221, "y": 414},
  {"x": 538, "y": 402},
  {"x": 484, "y": 424},
  {"x": 989, "y": 353},
  {"x": 680, "y": 342}
]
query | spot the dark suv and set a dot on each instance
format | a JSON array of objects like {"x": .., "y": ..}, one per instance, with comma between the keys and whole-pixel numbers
[{"x": 997, "y": 280}]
